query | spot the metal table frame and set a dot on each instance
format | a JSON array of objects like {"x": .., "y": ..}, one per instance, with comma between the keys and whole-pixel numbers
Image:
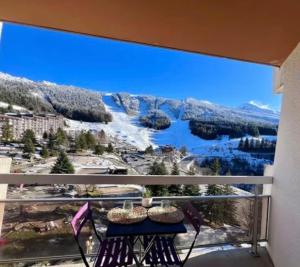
[{"x": 145, "y": 228}]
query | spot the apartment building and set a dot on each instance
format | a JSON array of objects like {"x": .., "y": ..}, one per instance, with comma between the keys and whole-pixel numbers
[{"x": 39, "y": 124}]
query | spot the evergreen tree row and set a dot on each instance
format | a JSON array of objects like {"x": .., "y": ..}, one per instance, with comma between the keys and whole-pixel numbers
[
  {"x": 219, "y": 211},
  {"x": 257, "y": 146},
  {"x": 170, "y": 190},
  {"x": 156, "y": 119},
  {"x": 213, "y": 129},
  {"x": 86, "y": 140}
]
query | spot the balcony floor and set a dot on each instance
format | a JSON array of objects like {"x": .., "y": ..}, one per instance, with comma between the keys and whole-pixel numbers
[
  {"x": 231, "y": 258},
  {"x": 226, "y": 258}
]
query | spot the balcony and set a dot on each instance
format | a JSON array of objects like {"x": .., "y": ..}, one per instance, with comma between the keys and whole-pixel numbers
[{"x": 37, "y": 229}]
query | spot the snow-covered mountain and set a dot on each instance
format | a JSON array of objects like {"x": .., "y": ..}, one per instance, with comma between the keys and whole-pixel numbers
[
  {"x": 191, "y": 108},
  {"x": 70, "y": 101},
  {"x": 88, "y": 109}
]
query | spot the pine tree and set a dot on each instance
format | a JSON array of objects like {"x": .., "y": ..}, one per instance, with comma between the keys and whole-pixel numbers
[
  {"x": 216, "y": 167},
  {"x": 28, "y": 134},
  {"x": 221, "y": 211},
  {"x": 60, "y": 138},
  {"x": 10, "y": 108},
  {"x": 175, "y": 169},
  {"x": 241, "y": 144},
  {"x": 253, "y": 131},
  {"x": 213, "y": 190},
  {"x": 149, "y": 150},
  {"x": 251, "y": 145},
  {"x": 51, "y": 141},
  {"x": 81, "y": 142},
  {"x": 246, "y": 145},
  {"x": 183, "y": 151},
  {"x": 257, "y": 145},
  {"x": 158, "y": 169},
  {"x": 214, "y": 211},
  {"x": 45, "y": 135},
  {"x": 262, "y": 144},
  {"x": 7, "y": 134},
  {"x": 99, "y": 149},
  {"x": 28, "y": 147},
  {"x": 191, "y": 171},
  {"x": 191, "y": 189},
  {"x": 229, "y": 206},
  {"x": 102, "y": 137},
  {"x": 90, "y": 140},
  {"x": 63, "y": 165},
  {"x": 110, "y": 148},
  {"x": 44, "y": 152},
  {"x": 174, "y": 189},
  {"x": 218, "y": 211}
]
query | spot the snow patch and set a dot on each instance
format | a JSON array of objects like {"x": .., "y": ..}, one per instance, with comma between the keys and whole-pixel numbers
[
  {"x": 122, "y": 127},
  {"x": 259, "y": 105},
  {"x": 15, "y": 107}
]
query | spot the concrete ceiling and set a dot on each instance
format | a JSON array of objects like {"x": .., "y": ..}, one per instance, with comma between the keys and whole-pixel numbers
[{"x": 252, "y": 30}]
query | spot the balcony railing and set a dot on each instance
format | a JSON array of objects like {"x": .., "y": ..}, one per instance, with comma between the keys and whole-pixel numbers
[
  {"x": 250, "y": 224},
  {"x": 129, "y": 179}
]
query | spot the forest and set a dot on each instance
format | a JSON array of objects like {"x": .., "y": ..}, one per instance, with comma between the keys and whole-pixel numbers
[
  {"x": 210, "y": 130},
  {"x": 257, "y": 145},
  {"x": 71, "y": 102},
  {"x": 155, "y": 119}
]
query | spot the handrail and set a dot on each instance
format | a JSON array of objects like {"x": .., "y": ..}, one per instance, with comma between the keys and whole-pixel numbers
[
  {"x": 12, "y": 178},
  {"x": 94, "y": 199},
  {"x": 120, "y": 199}
]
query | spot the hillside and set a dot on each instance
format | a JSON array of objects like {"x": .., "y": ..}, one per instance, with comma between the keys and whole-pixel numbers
[
  {"x": 72, "y": 102},
  {"x": 194, "y": 109},
  {"x": 138, "y": 119}
]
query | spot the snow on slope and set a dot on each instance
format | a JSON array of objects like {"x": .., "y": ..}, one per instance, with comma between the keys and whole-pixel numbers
[
  {"x": 255, "y": 111},
  {"x": 123, "y": 126},
  {"x": 192, "y": 108},
  {"x": 15, "y": 107},
  {"x": 127, "y": 128}
]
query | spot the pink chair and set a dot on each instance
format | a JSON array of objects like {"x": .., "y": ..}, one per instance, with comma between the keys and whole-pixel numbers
[
  {"x": 163, "y": 251},
  {"x": 112, "y": 252}
]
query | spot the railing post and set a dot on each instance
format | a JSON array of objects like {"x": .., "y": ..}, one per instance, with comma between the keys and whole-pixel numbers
[
  {"x": 254, "y": 248},
  {"x": 5, "y": 164}
]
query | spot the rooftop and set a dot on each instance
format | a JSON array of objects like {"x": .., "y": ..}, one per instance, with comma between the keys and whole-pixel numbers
[{"x": 252, "y": 30}]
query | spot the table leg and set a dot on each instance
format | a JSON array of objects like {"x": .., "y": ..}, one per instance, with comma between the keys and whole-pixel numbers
[
  {"x": 140, "y": 251},
  {"x": 131, "y": 249},
  {"x": 148, "y": 247},
  {"x": 173, "y": 241}
]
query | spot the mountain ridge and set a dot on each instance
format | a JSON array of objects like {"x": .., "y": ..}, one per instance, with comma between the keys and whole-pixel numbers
[{"x": 88, "y": 105}]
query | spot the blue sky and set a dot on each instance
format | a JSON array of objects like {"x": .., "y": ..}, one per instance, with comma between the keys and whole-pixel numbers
[{"x": 114, "y": 66}]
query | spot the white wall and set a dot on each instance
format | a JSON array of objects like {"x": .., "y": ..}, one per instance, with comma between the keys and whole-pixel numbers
[
  {"x": 4, "y": 168},
  {"x": 284, "y": 234}
]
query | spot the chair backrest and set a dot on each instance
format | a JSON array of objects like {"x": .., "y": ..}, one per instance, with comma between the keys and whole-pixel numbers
[
  {"x": 80, "y": 218},
  {"x": 77, "y": 223},
  {"x": 196, "y": 220},
  {"x": 193, "y": 216}
]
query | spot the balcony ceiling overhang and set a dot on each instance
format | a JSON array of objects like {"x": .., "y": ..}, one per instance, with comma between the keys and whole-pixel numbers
[{"x": 252, "y": 30}]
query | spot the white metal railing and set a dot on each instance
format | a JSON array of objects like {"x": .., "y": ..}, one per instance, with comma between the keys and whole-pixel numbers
[
  {"x": 134, "y": 199},
  {"x": 12, "y": 178},
  {"x": 140, "y": 180},
  {"x": 138, "y": 199}
]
